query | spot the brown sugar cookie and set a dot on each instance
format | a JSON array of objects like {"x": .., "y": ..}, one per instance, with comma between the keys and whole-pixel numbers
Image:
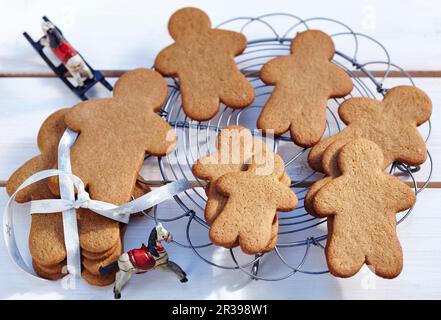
[
  {"x": 203, "y": 60},
  {"x": 116, "y": 133},
  {"x": 236, "y": 149},
  {"x": 304, "y": 81},
  {"x": 48, "y": 137},
  {"x": 99, "y": 255},
  {"x": 330, "y": 167},
  {"x": 236, "y": 146},
  {"x": 249, "y": 213},
  {"x": 43, "y": 274},
  {"x": 114, "y": 136},
  {"x": 97, "y": 233},
  {"x": 363, "y": 202},
  {"x": 391, "y": 124},
  {"x": 52, "y": 269},
  {"x": 101, "y": 280},
  {"x": 140, "y": 190},
  {"x": 308, "y": 202},
  {"x": 46, "y": 237},
  {"x": 93, "y": 266},
  {"x": 216, "y": 202}
]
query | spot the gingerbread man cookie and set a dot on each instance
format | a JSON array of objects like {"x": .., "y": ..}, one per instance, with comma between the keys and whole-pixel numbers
[
  {"x": 363, "y": 202},
  {"x": 203, "y": 60},
  {"x": 116, "y": 133},
  {"x": 249, "y": 213},
  {"x": 304, "y": 81},
  {"x": 46, "y": 237},
  {"x": 236, "y": 146},
  {"x": 391, "y": 123},
  {"x": 330, "y": 168}
]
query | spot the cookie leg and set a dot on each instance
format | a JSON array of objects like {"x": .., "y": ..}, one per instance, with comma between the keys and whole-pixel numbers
[
  {"x": 239, "y": 95},
  {"x": 308, "y": 127},
  {"x": 343, "y": 253},
  {"x": 224, "y": 232},
  {"x": 387, "y": 259},
  {"x": 202, "y": 104},
  {"x": 46, "y": 238},
  {"x": 274, "y": 115}
]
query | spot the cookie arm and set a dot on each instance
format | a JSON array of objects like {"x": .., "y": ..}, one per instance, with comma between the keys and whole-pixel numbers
[
  {"x": 206, "y": 167},
  {"x": 166, "y": 61},
  {"x": 228, "y": 183},
  {"x": 287, "y": 199},
  {"x": 272, "y": 69},
  {"x": 234, "y": 42},
  {"x": 358, "y": 109},
  {"x": 341, "y": 83},
  {"x": 412, "y": 149},
  {"x": 83, "y": 114},
  {"x": 159, "y": 136},
  {"x": 316, "y": 153},
  {"x": 400, "y": 196},
  {"x": 37, "y": 190},
  {"x": 327, "y": 199}
]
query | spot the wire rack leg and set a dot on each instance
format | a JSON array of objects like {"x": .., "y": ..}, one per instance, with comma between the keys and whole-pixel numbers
[{"x": 255, "y": 268}]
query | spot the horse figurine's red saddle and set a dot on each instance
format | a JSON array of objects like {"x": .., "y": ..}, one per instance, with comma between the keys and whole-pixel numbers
[{"x": 142, "y": 258}]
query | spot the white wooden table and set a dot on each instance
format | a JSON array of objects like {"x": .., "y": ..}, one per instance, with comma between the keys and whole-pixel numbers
[{"x": 116, "y": 36}]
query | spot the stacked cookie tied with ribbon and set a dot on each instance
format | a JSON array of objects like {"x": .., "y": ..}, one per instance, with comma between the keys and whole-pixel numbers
[{"x": 106, "y": 156}]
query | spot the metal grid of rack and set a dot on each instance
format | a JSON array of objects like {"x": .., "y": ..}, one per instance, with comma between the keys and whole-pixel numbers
[{"x": 299, "y": 233}]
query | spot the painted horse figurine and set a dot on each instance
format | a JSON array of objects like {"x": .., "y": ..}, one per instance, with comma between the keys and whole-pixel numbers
[
  {"x": 146, "y": 258},
  {"x": 64, "y": 51}
]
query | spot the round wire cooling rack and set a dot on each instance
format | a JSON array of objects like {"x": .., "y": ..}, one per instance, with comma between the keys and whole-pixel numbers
[{"x": 300, "y": 234}]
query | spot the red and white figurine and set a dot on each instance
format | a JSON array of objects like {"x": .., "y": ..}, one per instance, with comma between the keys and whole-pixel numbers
[
  {"x": 146, "y": 258},
  {"x": 64, "y": 51}
]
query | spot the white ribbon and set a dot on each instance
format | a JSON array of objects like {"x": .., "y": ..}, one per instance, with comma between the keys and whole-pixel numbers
[{"x": 68, "y": 204}]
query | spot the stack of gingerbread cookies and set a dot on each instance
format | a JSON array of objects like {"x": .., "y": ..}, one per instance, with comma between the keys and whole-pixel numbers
[
  {"x": 107, "y": 157},
  {"x": 247, "y": 186},
  {"x": 247, "y": 182},
  {"x": 361, "y": 222}
]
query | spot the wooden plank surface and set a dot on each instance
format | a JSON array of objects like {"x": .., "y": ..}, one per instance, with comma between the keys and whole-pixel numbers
[
  {"x": 28, "y": 101},
  {"x": 112, "y": 35},
  {"x": 420, "y": 278}
]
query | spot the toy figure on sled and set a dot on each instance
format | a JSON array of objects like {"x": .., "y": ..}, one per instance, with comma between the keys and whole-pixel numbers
[
  {"x": 71, "y": 61},
  {"x": 146, "y": 258}
]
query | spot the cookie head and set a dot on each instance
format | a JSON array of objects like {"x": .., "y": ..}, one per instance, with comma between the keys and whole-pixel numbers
[
  {"x": 409, "y": 104},
  {"x": 142, "y": 85},
  {"x": 235, "y": 143},
  {"x": 51, "y": 131},
  {"x": 360, "y": 155},
  {"x": 187, "y": 21},
  {"x": 313, "y": 43}
]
